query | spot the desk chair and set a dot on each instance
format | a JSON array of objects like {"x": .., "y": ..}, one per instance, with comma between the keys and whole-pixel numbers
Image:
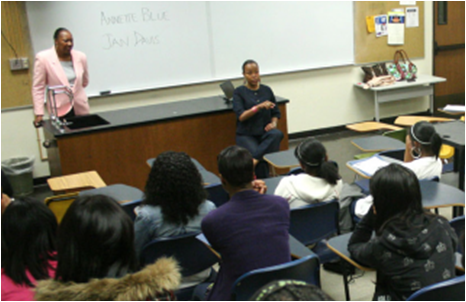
[
  {"x": 76, "y": 182},
  {"x": 313, "y": 224},
  {"x": 305, "y": 269},
  {"x": 192, "y": 255},
  {"x": 129, "y": 207},
  {"x": 295, "y": 171},
  {"x": 217, "y": 194},
  {"x": 457, "y": 224},
  {"x": 449, "y": 290},
  {"x": 59, "y": 204},
  {"x": 397, "y": 134}
]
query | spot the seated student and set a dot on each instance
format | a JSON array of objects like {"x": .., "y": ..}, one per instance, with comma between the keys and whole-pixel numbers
[
  {"x": 97, "y": 261},
  {"x": 412, "y": 248},
  {"x": 28, "y": 248},
  {"x": 250, "y": 231},
  {"x": 320, "y": 182},
  {"x": 175, "y": 204},
  {"x": 290, "y": 290},
  {"x": 421, "y": 156}
]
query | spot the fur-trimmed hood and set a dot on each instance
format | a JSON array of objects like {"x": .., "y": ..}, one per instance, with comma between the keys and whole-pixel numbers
[{"x": 163, "y": 275}]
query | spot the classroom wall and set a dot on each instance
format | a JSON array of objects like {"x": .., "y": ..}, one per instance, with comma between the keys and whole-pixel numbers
[{"x": 318, "y": 99}]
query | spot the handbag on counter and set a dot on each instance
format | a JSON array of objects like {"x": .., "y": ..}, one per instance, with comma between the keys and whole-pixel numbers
[
  {"x": 402, "y": 68},
  {"x": 376, "y": 70}
]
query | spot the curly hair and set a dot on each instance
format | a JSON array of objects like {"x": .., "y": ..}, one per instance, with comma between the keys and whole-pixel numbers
[{"x": 175, "y": 185}]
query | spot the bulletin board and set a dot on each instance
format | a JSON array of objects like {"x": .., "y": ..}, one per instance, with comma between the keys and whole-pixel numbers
[{"x": 369, "y": 48}]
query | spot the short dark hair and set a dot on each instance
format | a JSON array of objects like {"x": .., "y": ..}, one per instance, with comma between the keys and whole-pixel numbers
[
  {"x": 236, "y": 166},
  {"x": 95, "y": 240},
  {"x": 424, "y": 133},
  {"x": 248, "y": 62},
  {"x": 311, "y": 155},
  {"x": 57, "y": 32},
  {"x": 175, "y": 184},
  {"x": 290, "y": 290},
  {"x": 397, "y": 196},
  {"x": 28, "y": 240}
]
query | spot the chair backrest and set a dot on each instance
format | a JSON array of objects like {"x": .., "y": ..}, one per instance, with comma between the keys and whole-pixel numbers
[
  {"x": 305, "y": 269},
  {"x": 59, "y": 204},
  {"x": 449, "y": 290},
  {"x": 397, "y": 134},
  {"x": 192, "y": 254},
  {"x": 295, "y": 171},
  {"x": 457, "y": 224},
  {"x": 315, "y": 222},
  {"x": 217, "y": 194},
  {"x": 129, "y": 206}
]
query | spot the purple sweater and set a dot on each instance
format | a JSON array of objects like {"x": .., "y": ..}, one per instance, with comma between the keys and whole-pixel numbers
[{"x": 250, "y": 232}]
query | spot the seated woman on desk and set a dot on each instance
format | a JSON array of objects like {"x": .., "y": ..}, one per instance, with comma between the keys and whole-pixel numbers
[
  {"x": 320, "y": 182},
  {"x": 412, "y": 247},
  {"x": 257, "y": 112},
  {"x": 421, "y": 156}
]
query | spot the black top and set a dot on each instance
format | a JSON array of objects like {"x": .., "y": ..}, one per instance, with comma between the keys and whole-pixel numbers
[
  {"x": 406, "y": 258},
  {"x": 244, "y": 99}
]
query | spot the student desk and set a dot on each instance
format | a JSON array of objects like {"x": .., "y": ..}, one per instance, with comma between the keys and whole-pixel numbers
[
  {"x": 377, "y": 143},
  {"x": 272, "y": 184},
  {"x": 339, "y": 245},
  {"x": 410, "y": 120},
  {"x": 121, "y": 193},
  {"x": 423, "y": 86},
  {"x": 297, "y": 249},
  {"x": 76, "y": 182},
  {"x": 452, "y": 134},
  {"x": 281, "y": 160},
  {"x": 118, "y": 150},
  {"x": 352, "y": 164}
]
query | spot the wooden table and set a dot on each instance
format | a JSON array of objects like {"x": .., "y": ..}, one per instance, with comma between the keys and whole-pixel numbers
[
  {"x": 410, "y": 120},
  {"x": 76, "y": 182},
  {"x": 371, "y": 126},
  {"x": 118, "y": 151}
]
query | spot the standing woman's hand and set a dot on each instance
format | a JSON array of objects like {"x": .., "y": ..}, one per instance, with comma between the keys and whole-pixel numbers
[{"x": 267, "y": 105}]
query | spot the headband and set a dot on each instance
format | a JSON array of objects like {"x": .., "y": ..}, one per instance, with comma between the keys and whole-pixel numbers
[
  {"x": 307, "y": 163},
  {"x": 417, "y": 139}
]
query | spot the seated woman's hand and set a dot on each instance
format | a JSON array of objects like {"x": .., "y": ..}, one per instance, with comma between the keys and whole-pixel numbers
[
  {"x": 259, "y": 186},
  {"x": 270, "y": 126},
  {"x": 267, "y": 105}
]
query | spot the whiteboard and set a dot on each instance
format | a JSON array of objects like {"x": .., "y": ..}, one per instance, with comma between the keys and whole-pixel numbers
[{"x": 138, "y": 45}]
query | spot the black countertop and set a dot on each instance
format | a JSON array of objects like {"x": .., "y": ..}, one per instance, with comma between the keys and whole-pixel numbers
[{"x": 153, "y": 113}]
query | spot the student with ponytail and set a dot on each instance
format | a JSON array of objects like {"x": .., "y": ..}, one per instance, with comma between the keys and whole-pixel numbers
[
  {"x": 421, "y": 156},
  {"x": 422, "y": 149},
  {"x": 320, "y": 182}
]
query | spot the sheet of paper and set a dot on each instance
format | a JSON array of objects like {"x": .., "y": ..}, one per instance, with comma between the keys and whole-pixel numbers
[
  {"x": 371, "y": 165},
  {"x": 454, "y": 108},
  {"x": 396, "y": 28},
  {"x": 412, "y": 16},
  {"x": 381, "y": 25},
  {"x": 370, "y": 24}
]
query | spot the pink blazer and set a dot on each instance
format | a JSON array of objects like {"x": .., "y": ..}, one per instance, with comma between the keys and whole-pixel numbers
[{"x": 49, "y": 72}]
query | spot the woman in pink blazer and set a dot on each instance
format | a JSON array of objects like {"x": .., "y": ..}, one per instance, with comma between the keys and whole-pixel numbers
[{"x": 60, "y": 65}]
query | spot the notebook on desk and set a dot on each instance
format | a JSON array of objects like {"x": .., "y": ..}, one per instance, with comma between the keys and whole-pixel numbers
[{"x": 228, "y": 89}]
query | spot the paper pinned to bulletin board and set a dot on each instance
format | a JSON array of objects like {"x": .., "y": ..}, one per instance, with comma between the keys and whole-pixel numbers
[{"x": 396, "y": 28}]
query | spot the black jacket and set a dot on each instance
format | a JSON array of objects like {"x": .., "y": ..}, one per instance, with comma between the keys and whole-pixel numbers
[{"x": 406, "y": 258}]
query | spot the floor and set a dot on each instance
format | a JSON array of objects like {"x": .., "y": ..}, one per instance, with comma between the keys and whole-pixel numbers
[{"x": 341, "y": 150}]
